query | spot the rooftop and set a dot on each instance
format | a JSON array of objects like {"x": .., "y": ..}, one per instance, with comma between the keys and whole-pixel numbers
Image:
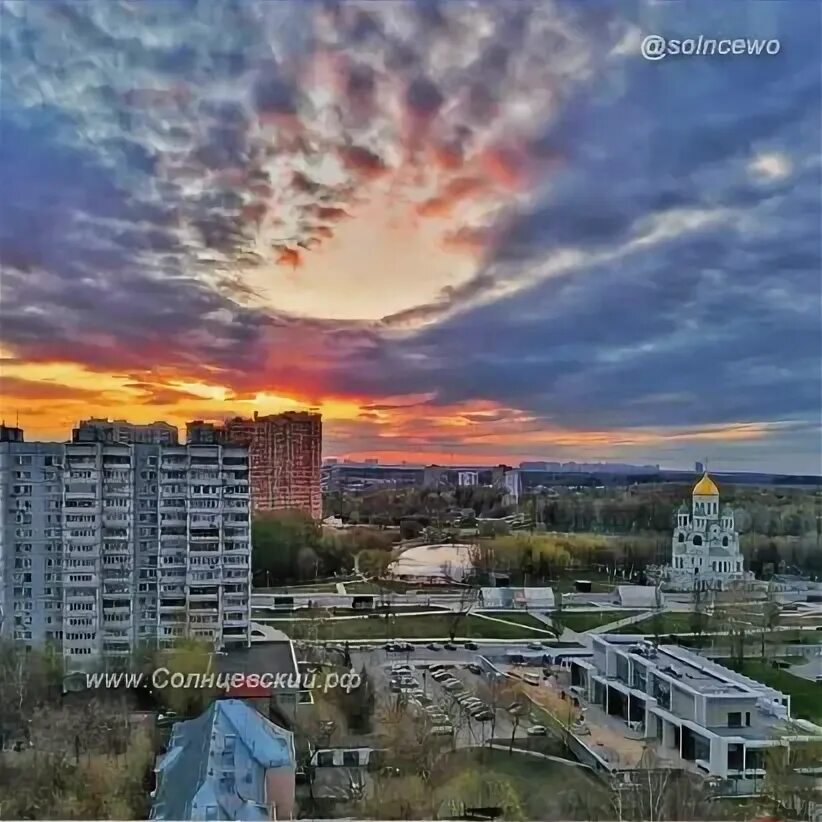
[
  {"x": 216, "y": 765},
  {"x": 261, "y": 658},
  {"x": 692, "y": 669}
]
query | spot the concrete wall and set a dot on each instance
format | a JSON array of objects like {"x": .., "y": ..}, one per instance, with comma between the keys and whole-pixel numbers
[
  {"x": 717, "y": 710},
  {"x": 682, "y": 703}
]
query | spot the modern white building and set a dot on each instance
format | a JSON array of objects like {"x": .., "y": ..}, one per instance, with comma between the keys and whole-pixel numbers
[
  {"x": 104, "y": 547},
  {"x": 698, "y": 712},
  {"x": 705, "y": 546}
]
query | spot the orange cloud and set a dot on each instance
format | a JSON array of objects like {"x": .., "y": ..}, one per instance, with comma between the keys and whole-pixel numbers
[
  {"x": 289, "y": 256},
  {"x": 454, "y": 192},
  {"x": 362, "y": 161},
  {"x": 506, "y": 165}
]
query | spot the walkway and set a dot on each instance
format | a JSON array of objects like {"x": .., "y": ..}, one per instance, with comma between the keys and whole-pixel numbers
[
  {"x": 572, "y": 762},
  {"x": 609, "y": 627}
]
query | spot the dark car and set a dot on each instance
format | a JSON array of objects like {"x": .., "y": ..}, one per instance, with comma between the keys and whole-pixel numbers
[
  {"x": 471, "y": 646},
  {"x": 474, "y": 668},
  {"x": 449, "y": 646}
]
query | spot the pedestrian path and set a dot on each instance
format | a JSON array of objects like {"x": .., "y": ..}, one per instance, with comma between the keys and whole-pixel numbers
[{"x": 609, "y": 627}]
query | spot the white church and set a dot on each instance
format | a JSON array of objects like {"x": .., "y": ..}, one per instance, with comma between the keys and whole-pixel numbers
[{"x": 705, "y": 551}]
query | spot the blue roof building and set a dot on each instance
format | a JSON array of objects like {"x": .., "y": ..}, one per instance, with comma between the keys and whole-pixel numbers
[{"x": 229, "y": 763}]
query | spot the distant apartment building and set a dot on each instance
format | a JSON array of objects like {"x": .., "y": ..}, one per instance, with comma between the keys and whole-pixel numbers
[
  {"x": 107, "y": 546},
  {"x": 9, "y": 433},
  {"x": 467, "y": 478},
  {"x": 121, "y": 431},
  {"x": 285, "y": 456}
]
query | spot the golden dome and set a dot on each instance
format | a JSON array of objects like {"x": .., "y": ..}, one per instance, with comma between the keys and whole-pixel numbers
[{"x": 706, "y": 487}]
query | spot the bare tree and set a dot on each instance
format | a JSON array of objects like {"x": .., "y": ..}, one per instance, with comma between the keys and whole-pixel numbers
[
  {"x": 792, "y": 788},
  {"x": 455, "y": 617},
  {"x": 652, "y": 793}
]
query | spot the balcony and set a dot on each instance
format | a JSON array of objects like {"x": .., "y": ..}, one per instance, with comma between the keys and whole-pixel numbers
[
  {"x": 172, "y": 609},
  {"x": 214, "y": 579},
  {"x": 81, "y": 463}
]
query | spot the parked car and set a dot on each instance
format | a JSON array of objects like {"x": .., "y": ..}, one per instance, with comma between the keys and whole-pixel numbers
[
  {"x": 471, "y": 646},
  {"x": 483, "y": 716},
  {"x": 474, "y": 668},
  {"x": 536, "y": 730},
  {"x": 531, "y": 679},
  {"x": 442, "y": 730},
  {"x": 535, "y": 646},
  {"x": 434, "y": 646},
  {"x": 440, "y": 675},
  {"x": 454, "y": 685},
  {"x": 449, "y": 646}
]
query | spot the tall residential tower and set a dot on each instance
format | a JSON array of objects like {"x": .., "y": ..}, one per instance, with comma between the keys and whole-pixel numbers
[
  {"x": 285, "y": 457},
  {"x": 104, "y": 547}
]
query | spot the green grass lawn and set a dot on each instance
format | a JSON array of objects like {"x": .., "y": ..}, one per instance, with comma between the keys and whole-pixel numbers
[
  {"x": 668, "y": 622},
  {"x": 585, "y": 620},
  {"x": 806, "y": 696},
  {"x": 544, "y": 789},
  {"x": 519, "y": 617},
  {"x": 408, "y": 627}
]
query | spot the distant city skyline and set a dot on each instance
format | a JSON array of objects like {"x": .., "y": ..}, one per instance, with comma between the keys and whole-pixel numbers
[
  {"x": 413, "y": 458},
  {"x": 462, "y": 232}
]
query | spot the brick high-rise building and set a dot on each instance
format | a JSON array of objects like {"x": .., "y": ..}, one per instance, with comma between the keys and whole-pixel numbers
[{"x": 284, "y": 456}]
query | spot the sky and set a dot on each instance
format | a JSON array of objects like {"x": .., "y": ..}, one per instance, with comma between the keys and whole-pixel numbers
[{"x": 463, "y": 231}]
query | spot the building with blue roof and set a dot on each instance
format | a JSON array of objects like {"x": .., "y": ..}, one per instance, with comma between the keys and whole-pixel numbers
[{"x": 229, "y": 763}]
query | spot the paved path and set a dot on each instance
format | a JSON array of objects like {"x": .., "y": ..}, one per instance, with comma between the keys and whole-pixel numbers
[
  {"x": 610, "y": 626},
  {"x": 572, "y": 762}
]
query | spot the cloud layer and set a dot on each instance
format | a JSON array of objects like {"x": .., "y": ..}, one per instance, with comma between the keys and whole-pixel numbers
[{"x": 456, "y": 227}]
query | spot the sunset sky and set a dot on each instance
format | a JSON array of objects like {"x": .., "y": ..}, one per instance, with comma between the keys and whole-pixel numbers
[{"x": 463, "y": 231}]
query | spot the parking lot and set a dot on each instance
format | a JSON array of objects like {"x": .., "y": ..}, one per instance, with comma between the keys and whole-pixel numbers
[{"x": 453, "y": 697}]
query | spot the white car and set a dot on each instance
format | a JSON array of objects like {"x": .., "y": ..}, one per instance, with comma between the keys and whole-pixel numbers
[
  {"x": 442, "y": 730},
  {"x": 537, "y": 730}
]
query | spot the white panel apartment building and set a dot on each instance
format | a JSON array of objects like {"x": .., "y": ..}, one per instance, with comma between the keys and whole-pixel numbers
[{"x": 104, "y": 547}]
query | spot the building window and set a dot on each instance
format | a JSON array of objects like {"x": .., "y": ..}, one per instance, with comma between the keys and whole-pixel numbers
[
  {"x": 697, "y": 539},
  {"x": 682, "y": 537},
  {"x": 748, "y": 718},
  {"x": 735, "y": 720},
  {"x": 725, "y": 542}
]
